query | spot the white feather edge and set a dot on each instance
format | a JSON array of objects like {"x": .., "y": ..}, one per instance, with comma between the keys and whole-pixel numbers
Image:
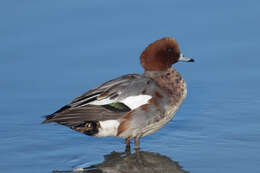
[{"x": 132, "y": 102}]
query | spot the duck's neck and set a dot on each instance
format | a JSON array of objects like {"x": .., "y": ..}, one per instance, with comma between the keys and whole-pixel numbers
[
  {"x": 170, "y": 81},
  {"x": 170, "y": 73}
]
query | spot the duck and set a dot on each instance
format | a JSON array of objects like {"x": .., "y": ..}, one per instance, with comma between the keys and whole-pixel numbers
[{"x": 133, "y": 105}]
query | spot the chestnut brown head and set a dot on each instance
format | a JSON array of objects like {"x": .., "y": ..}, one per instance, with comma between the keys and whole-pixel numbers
[{"x": 162, "y": 54}]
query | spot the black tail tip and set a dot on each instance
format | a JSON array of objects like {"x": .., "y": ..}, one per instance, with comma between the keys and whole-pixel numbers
[{"x": 47, "y": 119}]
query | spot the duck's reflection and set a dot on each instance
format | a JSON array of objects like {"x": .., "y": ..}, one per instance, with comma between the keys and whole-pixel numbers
[{"x": 139, "y": 162}]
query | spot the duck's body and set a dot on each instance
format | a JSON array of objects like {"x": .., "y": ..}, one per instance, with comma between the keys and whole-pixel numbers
[
  {"x": 131, "y": 106},
  {"x": 165, "y": 97}
]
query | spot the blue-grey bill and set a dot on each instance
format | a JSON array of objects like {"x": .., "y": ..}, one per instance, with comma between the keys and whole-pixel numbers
[{"x": 183, "y": 58}]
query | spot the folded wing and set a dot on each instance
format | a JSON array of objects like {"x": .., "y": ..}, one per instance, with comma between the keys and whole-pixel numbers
[{"x": 109, "y": 101}]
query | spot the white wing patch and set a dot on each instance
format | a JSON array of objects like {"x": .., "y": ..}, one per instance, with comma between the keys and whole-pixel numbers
[
  {"x": 107, "y": 128},
  {"x": 132, "y": 102}
]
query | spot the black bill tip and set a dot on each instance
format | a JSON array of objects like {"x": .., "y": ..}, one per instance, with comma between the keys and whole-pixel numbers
[{"x": 191, "y": 60}]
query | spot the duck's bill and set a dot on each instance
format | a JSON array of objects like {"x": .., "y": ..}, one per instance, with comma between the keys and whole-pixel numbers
[{"x": 183, "y": 58}]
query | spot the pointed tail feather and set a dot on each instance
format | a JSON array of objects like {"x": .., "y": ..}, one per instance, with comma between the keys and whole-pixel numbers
[{"x": 49, "y": 117}]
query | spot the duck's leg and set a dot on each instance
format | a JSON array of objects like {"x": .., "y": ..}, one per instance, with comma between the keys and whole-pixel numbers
[
  {"x": 127, "y": 146},
  {"x": 137, "y": 143}
]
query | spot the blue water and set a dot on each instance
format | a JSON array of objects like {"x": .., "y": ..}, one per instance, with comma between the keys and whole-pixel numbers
[{"x": 52, "y": 51}]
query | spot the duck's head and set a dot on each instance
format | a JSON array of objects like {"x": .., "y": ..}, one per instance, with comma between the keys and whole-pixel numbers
[{"x": 162, "y": 54}]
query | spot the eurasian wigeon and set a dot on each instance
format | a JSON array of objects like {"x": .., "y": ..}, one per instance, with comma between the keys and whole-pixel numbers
[{"x": 133, "y": 105}]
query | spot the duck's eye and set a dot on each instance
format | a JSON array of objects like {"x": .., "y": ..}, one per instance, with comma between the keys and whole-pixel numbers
[{"x": 170, "y": 50}]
